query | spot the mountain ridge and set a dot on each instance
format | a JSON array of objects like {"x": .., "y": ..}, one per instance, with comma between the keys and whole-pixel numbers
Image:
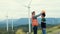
[{"x": 24, "y": 21}]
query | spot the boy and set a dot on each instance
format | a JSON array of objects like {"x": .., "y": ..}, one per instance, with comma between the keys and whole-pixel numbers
[{"x": 43, "y": 22}]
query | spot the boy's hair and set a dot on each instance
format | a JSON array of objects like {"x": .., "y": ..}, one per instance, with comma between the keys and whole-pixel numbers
[
  {"x": 33, "y": 12},
  {"x": 43, "y": 14}
]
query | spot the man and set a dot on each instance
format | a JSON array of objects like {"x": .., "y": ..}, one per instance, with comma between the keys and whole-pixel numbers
[
  {"x": 35, "y": 22},
  {"x": 43, "y": 22}
]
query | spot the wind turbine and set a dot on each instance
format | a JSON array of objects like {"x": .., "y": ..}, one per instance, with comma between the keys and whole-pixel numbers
[{"x": 29, "y": 15}]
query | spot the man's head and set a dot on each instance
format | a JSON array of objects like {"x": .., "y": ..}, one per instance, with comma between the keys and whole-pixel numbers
[{"x": 33, "y": 13}]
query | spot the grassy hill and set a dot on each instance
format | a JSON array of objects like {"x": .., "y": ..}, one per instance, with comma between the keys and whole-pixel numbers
[{"x": 50, "y": 29}]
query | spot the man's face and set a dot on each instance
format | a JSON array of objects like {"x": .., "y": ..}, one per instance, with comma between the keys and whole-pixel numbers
[{"x": 33, "y": 14}]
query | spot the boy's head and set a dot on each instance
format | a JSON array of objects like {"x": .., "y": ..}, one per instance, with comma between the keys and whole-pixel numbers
[
  {"x": 33, "y": 13},
  {"x": 43, "y": 14}
]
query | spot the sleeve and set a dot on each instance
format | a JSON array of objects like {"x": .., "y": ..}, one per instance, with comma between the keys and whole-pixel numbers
[{"x": 37, "y": 15}]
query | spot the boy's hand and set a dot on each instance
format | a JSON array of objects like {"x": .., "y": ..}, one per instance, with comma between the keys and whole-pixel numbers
[{"x": 43, "y": 11}]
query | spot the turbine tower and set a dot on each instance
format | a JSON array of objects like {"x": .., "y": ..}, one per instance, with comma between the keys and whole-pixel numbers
[
  {"x": 12, "y": 23},
  {"x": 29, "y": 16},
  {"x": 7, "y": 21}
]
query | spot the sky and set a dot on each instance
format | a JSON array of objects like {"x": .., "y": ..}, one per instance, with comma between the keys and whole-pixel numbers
[{"x": 17, "y": 8}]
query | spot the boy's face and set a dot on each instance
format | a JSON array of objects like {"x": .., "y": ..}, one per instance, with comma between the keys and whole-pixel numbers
[{"x": 42, "y": 16}]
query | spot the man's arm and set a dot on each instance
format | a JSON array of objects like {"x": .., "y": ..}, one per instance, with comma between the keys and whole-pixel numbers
[{"x": 37, "y": 15}]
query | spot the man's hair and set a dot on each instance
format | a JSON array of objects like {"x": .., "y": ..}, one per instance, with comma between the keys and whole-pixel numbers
[
  {"x": 33, "y": 12},
  {"x": 43, "y": 14}
]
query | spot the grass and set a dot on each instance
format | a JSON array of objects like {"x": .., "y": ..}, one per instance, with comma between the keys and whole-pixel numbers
[
  {"x": 52, "y": 30},
  {"x": 20, "y": 31}
]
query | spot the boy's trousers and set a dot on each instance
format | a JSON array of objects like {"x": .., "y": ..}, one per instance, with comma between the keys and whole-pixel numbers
[{"x": 43, "y": 30}]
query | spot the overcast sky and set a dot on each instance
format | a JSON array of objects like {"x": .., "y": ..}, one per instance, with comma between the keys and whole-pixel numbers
[{"x": 18, "y": 9}]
